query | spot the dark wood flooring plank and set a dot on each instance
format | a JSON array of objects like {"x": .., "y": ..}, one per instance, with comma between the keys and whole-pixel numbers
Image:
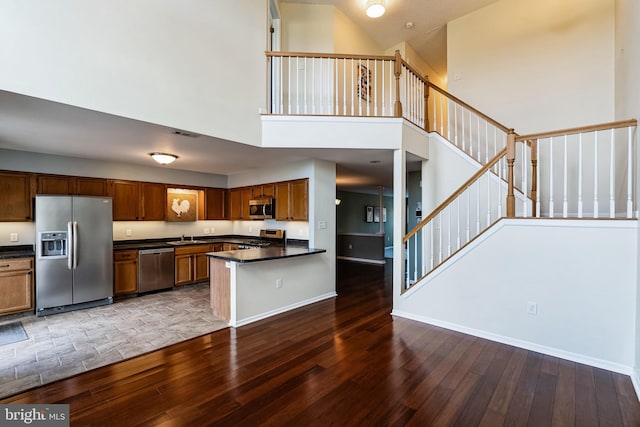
[
  {"x": 564, "y": 408},
  {"x": 343, "y": 361}
]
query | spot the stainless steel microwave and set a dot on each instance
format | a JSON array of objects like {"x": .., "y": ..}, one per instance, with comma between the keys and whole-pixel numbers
[{"x": 262, "y": 209}]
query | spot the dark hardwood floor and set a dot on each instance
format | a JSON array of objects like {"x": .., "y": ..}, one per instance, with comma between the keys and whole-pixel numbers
[{"x": 344, "y": 362}]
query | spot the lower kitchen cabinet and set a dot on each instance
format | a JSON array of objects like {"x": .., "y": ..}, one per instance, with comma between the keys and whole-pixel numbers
[
  {"x": 16, "y": 285},
  {"x": 125, "y": 272},
  {"x": 192, "y": 265}
]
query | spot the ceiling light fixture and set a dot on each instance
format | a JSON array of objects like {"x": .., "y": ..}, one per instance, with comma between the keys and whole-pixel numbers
[
  {"x": 375, "y": 8},
  {"x": 163, "y": 158}
]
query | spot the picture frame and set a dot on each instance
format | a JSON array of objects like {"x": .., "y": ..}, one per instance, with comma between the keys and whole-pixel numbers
[
  {"x": 364, "y": 83},
  {"x": 376, "y": 214},
  {"x": 368, "y": 216}
]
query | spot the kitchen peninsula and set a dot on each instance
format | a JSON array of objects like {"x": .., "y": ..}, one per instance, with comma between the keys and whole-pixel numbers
[{"x": 252, "y": 284}]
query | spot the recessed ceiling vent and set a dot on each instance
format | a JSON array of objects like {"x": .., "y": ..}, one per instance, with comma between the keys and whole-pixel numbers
[{"x": 185, "y": 133}]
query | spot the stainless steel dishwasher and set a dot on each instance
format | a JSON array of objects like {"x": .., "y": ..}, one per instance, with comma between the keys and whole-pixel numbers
[{"x": 155, "y": 269}]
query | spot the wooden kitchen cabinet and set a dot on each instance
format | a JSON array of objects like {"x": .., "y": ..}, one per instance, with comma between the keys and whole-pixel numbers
[
  {"x": 215, "y": 203},
  {"x": 16, "y": 285},
  {"x": 134, "y": 200},
  {"x": 192, "y": 265},
  {"x": 90, "y": 186},
  {"x": 125, "y": 272},
  {"x": 17, "y": 192},
  {"x": 264, "y": 191},
  {"x": 230, "y": 247},
  {"x": 55, "y": 184},
  {"x": 235, "y": 203},
  {"x": 292, "y": 200}
]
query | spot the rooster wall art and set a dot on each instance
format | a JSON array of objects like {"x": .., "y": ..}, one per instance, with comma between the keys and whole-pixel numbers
[{"x": 181, "y": 205}]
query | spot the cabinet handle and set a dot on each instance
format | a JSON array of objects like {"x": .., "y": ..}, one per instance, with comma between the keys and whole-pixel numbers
[{"x": 5, "y": 265}]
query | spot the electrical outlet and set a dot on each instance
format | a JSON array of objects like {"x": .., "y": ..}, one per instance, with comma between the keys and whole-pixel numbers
[
  {"x": 128, "y": 232},
  {"x": 278, "y": 283},
  {"x": 13, "y": 237},
  {"x": 213, "y": 230},
  {"x": 206, "y": 230},
  {"x": 532, "y": 308}
]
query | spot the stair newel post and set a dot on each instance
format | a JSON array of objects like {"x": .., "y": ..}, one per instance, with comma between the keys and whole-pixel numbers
[
  {"x": 511, "y": 157},
  {"x": 534, "y": 176},
  {"x": 397, "y": 71},
  {"x": 426, "y": 103}
]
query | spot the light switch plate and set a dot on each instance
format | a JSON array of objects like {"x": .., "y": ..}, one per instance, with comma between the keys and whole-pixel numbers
[{"x": 13, "y": 237}]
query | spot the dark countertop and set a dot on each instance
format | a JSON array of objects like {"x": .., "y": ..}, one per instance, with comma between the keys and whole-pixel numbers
[
  {"x": 163, "y": 243},
  {"x": 263, "y": 254},
  {"x": 18, "y": 251}
]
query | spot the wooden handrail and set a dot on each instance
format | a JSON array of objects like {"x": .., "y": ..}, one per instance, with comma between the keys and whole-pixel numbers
[
  {"x": 414, "y": 71},
  {"x": 469, "y": 107},
  {"x": 583, "y": 129},
  {"x": 458, "y": 192},
  {"x": 329, "y": 55}
]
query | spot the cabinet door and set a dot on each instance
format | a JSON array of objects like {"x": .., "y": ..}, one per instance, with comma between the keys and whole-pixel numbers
[
  {"x": 299, "y": 200},
  {"x": 247, "y": 194},
  {"x": 55, "y": 184},
  {"x": 126, "y": 200},
  {"x": 201, "y": 267},
  {"x": 16, "y": 285},
  {"x": 154, "y": 201},
  {"x": 15, "y": 188},
  {"x": 215, "y": 201},
  {"x": 268, "y": 190},
  {"x": 125, "y": 272},
  {"x": 184, "y": 269},
  {"x": 90, "y": 186},
  {"x": 282, "y": 201},
  {"x": 235, "y": 203}
]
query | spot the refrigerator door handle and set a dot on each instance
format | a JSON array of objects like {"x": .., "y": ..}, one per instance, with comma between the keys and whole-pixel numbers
[
  {"x": 75, "y": 244},
  {"x": 70, "y": 248}
]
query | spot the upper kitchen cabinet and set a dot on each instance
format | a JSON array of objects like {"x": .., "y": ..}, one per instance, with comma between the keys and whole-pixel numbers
[
  {"x": 134, "y": 201},
  {"x": 126, "y": 200},
  {"x": 55, "y": 184},
  {"x": 215, "y": 203},
  {"x": 91, "y": 186},
  {"x": 17, "y": 191},
  {"x": 264, "y": 191},
  {"x": 154, "y": 200},
  {"x": 239, "y": 203},
  {"x": 292, "y": 200},
  {"x": 67, "y": 185}
]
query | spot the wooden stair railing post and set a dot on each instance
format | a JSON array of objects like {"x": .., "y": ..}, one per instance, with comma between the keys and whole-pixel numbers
[
  {"x": 534, "y": 176},
  {"x": 397, "y": 71},
  {"x": 511, "y": 156},
  {"x": 426, "y": 103}
]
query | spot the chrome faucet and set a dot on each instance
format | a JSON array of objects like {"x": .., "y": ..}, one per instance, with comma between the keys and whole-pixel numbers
[{"x": 182, "y": 238}]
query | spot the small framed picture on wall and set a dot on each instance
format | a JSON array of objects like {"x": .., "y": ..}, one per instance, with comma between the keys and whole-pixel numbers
[{"x": 368, "y": 215}]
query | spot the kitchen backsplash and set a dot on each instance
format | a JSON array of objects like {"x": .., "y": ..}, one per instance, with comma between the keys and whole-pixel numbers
[{"x": 136, "y": 230}]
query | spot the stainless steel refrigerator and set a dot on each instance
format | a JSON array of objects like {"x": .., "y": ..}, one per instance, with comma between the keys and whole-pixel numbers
[{"x": 74, "y": 253}]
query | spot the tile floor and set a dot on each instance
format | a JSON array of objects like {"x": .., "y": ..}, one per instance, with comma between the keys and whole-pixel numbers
[{"x": 66, "y": 344}]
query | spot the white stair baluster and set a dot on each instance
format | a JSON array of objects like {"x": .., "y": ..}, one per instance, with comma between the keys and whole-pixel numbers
[
  {"x": 629, "y": 172},
  {"x": 596, "y": 208},
  {"x": 612, "y": 175},
  {"x": 565, "y": 203},
  {"x": 580, "y": 202},
  {"x": 551, "y": 177}
]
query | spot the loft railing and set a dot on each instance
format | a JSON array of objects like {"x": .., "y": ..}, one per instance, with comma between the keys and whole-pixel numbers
[
  {"x": 587, "y": 172},
  {"x": 378, "y": 86}
]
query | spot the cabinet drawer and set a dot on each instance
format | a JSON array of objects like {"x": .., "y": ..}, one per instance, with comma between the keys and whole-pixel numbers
[
  {"x": 125, "y": 255},
  {"x": 194, "y": 249},
  {"x": 15, "y": 264}
]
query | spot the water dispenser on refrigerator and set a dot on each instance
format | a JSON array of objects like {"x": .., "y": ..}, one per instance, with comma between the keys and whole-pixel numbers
[{"x": 53, "y": 244}]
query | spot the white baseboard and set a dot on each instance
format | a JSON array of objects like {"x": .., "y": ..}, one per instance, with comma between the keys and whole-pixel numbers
[
  {"x": 635, "y": 379},
  {"x": 279, "y": 310},
  {"x": 551, "y": 351}
]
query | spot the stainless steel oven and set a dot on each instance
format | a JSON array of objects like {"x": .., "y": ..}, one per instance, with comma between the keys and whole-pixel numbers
[{"x": 261, "y": 209}]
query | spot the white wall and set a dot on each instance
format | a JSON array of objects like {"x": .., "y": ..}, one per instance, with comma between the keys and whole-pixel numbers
[
  {"x": 306, "y": 27},
  {"x": 535, "y": 66},
  {"x": 349, "y": 38},
  {"x": 628, "y": 106},
  {"x": 566, "y": 267},
  {"x": 179, "y": 64}
]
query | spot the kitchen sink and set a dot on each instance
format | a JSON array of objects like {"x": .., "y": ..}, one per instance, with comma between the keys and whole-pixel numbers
[{"x": 187, "y": 242}]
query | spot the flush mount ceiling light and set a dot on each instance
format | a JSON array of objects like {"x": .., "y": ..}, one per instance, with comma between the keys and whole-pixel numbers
[
  {"x": 375, "y": 8},
  {"x": 163, "y": 158}
]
